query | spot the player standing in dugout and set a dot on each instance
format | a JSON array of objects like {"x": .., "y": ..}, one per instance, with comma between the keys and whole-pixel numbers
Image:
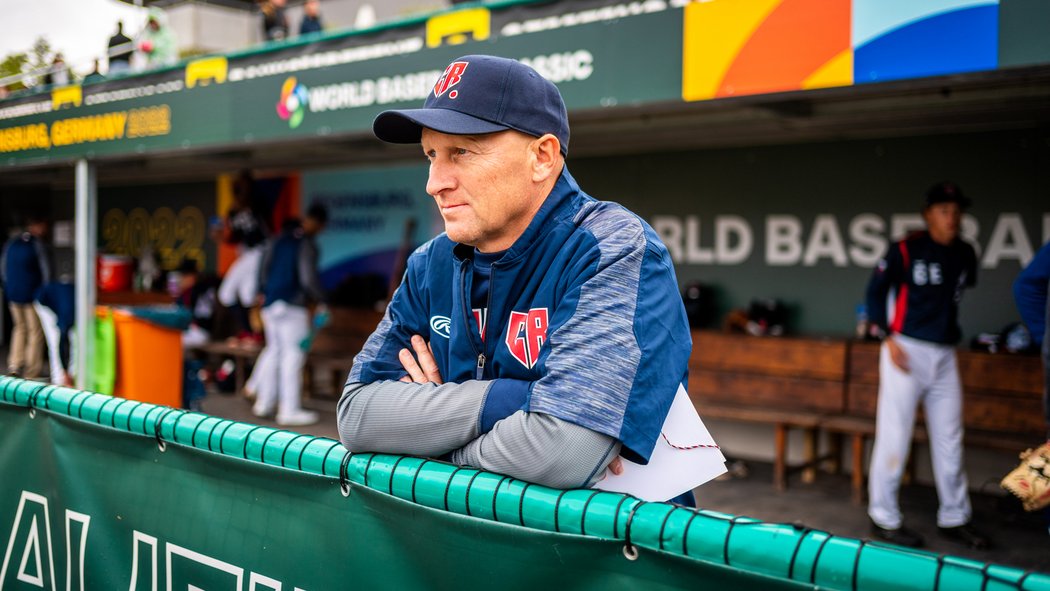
[{"x": 927, "y": 271}]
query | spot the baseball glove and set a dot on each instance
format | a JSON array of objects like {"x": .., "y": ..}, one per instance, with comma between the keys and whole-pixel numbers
[{"x": 1030, "y": 481}]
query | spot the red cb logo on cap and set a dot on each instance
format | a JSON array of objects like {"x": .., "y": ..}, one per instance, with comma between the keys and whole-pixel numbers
[{"x": 453, "y": 74}]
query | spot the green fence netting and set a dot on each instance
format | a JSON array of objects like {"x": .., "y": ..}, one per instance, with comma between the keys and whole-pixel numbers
[{"x": 760, "y": 555}]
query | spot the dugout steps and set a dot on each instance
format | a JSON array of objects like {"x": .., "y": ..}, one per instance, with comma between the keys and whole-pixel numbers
[{"x": 793, "y": 555}]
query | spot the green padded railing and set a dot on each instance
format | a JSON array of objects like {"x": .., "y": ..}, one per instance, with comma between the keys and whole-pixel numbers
[{"x": 787, "y": 551}]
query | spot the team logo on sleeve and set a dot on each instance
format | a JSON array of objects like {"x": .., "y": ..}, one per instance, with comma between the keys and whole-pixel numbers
[
  {"x": 526, "y": 333},
  {"x": 453, "y": 74}
]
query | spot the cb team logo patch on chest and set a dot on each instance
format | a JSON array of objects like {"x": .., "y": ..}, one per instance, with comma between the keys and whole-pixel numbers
[{"x": 526, "y": 333}]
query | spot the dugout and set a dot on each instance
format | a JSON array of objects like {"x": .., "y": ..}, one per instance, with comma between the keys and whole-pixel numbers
[{"x": 776, "y": 146}]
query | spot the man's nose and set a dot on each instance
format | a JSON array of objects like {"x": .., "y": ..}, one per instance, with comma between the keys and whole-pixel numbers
[{"x": 440, "y": 179}]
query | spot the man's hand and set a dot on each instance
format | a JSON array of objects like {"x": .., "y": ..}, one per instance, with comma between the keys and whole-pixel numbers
[
  {"x": 897, "y": 355},
  {"x": 421, "y": 367},
  {"x": 615, "y": 468}
]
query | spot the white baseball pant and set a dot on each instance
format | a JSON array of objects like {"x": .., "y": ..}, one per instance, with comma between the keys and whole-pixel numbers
[
  {"x": 933, "y": 380},
  {"x": 278, "y": 373}
]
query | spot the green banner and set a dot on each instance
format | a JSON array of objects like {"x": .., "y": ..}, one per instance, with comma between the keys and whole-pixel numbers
[{"x": 106, "y": 493}]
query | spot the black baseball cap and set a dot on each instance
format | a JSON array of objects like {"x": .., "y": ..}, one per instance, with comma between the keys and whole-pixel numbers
[
  {"x": 479, "y": 94},
  {"x": 946, "y": 192}
]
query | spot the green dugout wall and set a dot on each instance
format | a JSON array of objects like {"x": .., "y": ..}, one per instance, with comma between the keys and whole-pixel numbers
[{"x": 807, "y": 223}]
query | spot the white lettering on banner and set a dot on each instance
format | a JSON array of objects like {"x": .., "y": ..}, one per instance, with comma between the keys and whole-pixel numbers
[
  {"x": 1009, "y": 241},
  {"x": 557, "y": 67},
  {"x": 36, "y": 565},
  {"x": 85, "y": 523},
  {"x": 30, "y": 506},
  {"x": 825, "y": 241},
  {"x": 733, "y": 239},
  {"x": 563, "y": 67},
  {"x": 783, "y": 240},
  {"x": 586, "y": 17},
  {"x": 726, "y": 227},
  {"x": 790, "y": 242},
  {"x": 868, "y": 245},
  {"x": 323, "y": 59}
]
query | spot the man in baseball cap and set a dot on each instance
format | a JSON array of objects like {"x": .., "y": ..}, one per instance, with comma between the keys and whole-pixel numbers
[
  {"x": 542, "y": 335},
  {"x": 928, "y": 272}
]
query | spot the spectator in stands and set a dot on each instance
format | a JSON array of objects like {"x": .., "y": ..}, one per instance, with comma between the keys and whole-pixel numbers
[
  {"x": 58, "y": 73},
  {"x": 94, "y": 75},
  {"x": 288, "y": 276},
  {"x": 1030, "y": 293},
  {"x": 56, "y": 307},
  {"x": 311, "y": 22},
  {"x": 120, "y": 51},
  {"x": 24, "y": 267},
  {"x": 275, "y": 21},
  {"x": 157, "y": 41},
  {"x": 928, "y": 272}
]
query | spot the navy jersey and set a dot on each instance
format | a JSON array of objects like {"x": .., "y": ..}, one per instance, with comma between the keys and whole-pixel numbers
[{"x": 928, "y": 280}]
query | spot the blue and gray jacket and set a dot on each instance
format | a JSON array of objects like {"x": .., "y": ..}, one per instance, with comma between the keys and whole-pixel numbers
[{"x": 584, "y": 321}]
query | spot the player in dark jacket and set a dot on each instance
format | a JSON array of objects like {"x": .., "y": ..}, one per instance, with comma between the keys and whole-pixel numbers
[
  {"x": 289, "y": 282},
  {"x": 24, "y": 267},
  {"x": 927, "y": 273}
]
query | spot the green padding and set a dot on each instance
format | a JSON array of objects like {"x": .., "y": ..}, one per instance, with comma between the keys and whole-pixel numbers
[
  {"x": 781, "y": 555},
  {"x": 105, "y": 354}
]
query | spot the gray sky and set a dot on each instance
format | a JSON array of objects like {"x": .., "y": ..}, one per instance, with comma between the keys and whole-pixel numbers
[{"x": 80, "y": 29}]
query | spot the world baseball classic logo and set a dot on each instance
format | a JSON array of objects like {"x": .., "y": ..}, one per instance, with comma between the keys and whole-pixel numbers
[{"x": 526, "y": 333}]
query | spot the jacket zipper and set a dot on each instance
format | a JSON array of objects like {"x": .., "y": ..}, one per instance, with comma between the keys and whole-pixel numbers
[{"x": 480, "y": 370}]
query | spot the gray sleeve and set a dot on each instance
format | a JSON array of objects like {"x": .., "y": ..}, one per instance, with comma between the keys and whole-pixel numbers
[
  {"x": 308, "y": 279},
  {"x": 540, "y": 448},
  {"x": 43, "y": 257},
  {"x": 406, "y": 418},
  {"x": 264, "y": 265}
]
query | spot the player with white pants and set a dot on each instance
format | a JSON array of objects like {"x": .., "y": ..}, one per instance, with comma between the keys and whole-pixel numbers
[
  {"x": 933, "y": 381},
  {"x": 927, "y": 273},
  {"x": 289, "y": 282}
]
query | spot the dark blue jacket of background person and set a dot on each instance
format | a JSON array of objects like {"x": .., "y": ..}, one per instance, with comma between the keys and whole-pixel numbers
[
  {"x": 60, "y": 297},
  {"x": 1030, "y": 293},
  {"x": 23, "y": 268},
  {"x": 288, "y": 271},
  {"x": 310, "y": 24}
]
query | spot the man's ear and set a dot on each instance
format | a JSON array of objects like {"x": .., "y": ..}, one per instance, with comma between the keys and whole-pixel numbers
[{"x": 546, "y": 152}]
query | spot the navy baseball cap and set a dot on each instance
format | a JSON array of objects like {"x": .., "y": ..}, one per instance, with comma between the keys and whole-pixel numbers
[
  {"x": 946, "y": 192},
  {"x": 479, "y": 94}
]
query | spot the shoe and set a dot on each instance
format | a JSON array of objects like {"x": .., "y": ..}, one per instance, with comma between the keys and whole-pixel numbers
[
  {"x": 967, "y": 535},
  {"x": 901, "y": 536},
  {"x": 297, "y": 418},
  {"x": 262, "y": 412}
]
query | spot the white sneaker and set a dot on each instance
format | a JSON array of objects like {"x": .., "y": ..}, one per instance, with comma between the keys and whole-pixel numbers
[
  {"x": 262, "y": 411},
  {"x": 297, "y": 418}
]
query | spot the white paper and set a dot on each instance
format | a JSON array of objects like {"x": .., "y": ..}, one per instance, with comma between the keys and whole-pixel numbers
[{"x": 670, "y": 471}]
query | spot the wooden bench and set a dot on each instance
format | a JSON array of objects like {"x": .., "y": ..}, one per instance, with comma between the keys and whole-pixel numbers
[
  {"x": 786, "y": 382},
  {"x": 335, "y": 346},
  {"x": 1002, "y": 404}
]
